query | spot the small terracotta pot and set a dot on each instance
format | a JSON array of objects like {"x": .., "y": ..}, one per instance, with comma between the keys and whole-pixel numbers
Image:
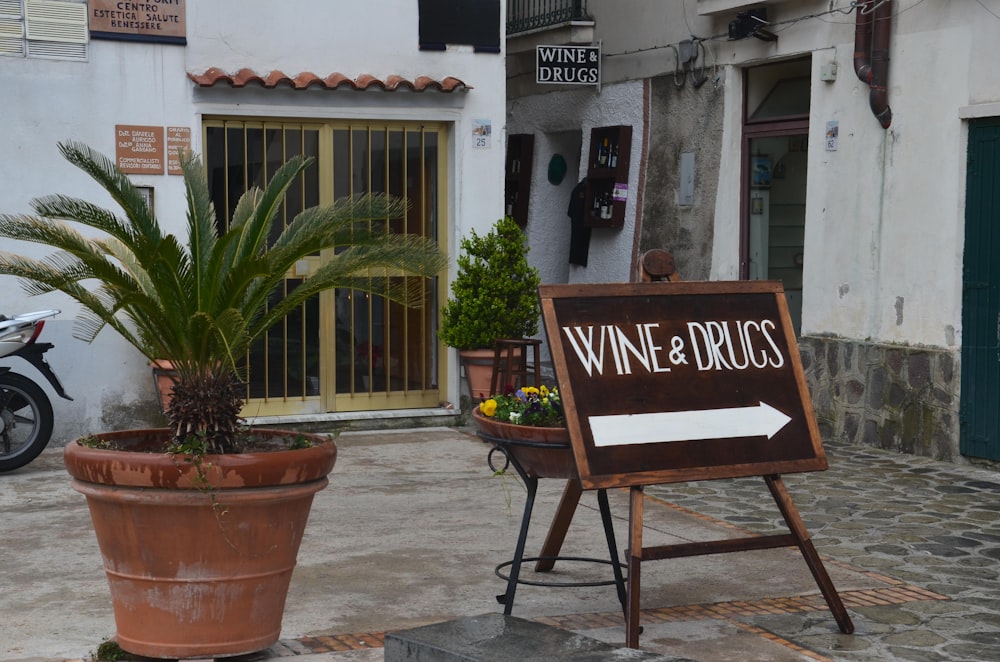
[
  {"x": 198, "y": 571},
  {"x": 541, "y": 452},
  {"x": 478, "y": 364}
]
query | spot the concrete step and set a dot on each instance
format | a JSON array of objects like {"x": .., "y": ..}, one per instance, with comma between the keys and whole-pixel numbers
[{"x": 499, "y": 638}]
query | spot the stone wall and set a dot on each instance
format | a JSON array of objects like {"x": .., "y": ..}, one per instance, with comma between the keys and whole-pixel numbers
[{"x": 899, "y": 398}]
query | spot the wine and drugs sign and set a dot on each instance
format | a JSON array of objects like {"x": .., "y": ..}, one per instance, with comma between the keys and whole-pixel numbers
[
  {"x": 568, "y": 65},
  {"x": 667, "y": 382}
]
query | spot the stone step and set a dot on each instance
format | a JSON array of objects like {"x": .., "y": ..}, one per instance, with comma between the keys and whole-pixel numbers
[{"x": 499, "y": 638}]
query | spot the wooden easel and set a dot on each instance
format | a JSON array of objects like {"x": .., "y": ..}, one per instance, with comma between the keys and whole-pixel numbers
[
  {"x": 801, "y": 449},
  {"x": 798, "y": 536}
]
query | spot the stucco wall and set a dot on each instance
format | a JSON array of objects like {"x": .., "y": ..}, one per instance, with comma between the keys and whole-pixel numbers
[
  {"x": 146, "y": 84},
  {"x": 579, "y": 110},
  {"x": 682, "y": 119}
]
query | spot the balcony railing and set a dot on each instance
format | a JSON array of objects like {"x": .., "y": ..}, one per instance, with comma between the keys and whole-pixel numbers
[{"x": 525, "y": 15}]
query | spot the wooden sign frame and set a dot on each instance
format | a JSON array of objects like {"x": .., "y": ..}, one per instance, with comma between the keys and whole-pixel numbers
[
  {"x": 666, "y": 382},
  {"x": 669, "y": 382}
]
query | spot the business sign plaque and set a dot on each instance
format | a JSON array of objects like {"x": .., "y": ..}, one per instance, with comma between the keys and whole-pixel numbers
[
  {"x": 568, "y": 65},
  {"x": 162, "y": 21},
  {"x": 667, "y": 382}
]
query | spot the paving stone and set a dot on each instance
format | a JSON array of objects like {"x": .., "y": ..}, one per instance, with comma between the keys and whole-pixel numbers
[{"x": 890, "y": 614}]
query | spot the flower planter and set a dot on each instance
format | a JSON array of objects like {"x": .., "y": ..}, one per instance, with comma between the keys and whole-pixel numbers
[
  {"x": 540, "y": 452},
  {"x": 198, "y": 571}
]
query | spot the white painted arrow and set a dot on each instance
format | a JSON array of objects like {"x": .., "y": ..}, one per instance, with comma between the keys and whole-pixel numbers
[{"x": 659, "y": 427}]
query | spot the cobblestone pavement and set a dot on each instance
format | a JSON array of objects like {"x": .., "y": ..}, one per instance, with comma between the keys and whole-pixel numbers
[
  {"x": 929, "y": 524},
  {"x": 913, "y": 546}
]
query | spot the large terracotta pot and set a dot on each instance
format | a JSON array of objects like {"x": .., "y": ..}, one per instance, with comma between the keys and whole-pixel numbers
[
  {"x": 540, "y": 452},
  {"x": 195, "y": 570}
]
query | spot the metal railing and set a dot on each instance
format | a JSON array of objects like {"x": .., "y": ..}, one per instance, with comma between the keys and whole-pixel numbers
[{"x": 525, "y": 15}]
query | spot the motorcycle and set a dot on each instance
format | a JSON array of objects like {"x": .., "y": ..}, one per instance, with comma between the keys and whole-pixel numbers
[{"x": 25, "y": 410}]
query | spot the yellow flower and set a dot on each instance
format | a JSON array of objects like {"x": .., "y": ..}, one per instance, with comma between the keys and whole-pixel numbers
[
  {"x": 529, "y": 390},
  {"x": 544, "y": 390},
  {"x": 488, "y": 407}
]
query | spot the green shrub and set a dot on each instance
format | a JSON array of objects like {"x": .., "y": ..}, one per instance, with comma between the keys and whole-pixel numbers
[{"x": 495, "y": 294}]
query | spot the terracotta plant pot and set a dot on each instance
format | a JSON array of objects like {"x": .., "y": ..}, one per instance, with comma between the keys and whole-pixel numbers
[
  {"x": 541, "y": 452},
  {"x": 198, "y": 571},
  {"x": 163, "y": 377},
  {"x": 478, "y": 364}
]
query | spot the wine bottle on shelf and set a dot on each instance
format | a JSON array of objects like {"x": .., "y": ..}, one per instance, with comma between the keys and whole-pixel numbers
[
  {"x": 602, "y": 154},
  {"x": 613, "y": 159}
]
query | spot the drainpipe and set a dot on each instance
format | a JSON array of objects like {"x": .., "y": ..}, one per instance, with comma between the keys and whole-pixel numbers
[{"x": 871, "y": 56}]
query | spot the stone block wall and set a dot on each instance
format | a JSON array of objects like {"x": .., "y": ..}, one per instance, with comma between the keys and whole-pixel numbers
[{"x": 894, "y": 397}]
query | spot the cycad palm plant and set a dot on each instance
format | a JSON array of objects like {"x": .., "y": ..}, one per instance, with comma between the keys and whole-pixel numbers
[{"x": 202, "y": 304}]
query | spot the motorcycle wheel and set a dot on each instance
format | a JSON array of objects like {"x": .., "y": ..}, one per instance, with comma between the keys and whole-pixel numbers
[{"x": 25, "y": 421}]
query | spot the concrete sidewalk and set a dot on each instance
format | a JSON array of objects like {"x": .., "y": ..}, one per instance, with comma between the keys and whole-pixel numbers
[{"x": 413, "y": 523}]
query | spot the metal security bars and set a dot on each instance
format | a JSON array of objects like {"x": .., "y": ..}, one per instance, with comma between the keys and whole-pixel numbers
[
  {"x": 526, "y": 15},
  {"x": 344, "y": 349}
]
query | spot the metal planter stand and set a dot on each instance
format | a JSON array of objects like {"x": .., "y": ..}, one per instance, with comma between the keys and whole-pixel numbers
[{"x": 507, "y": 448}]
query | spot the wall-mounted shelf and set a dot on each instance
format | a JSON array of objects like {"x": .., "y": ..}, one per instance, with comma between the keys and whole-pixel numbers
[
  {"x": 607, "y": 176},
  {"x": 517, "y": 176}
]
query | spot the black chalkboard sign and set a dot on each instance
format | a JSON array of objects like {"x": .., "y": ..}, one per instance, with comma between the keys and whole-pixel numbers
[{"x": 667, "y": 382}]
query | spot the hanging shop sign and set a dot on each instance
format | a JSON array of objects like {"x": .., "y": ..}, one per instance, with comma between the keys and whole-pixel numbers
[
  {"x": 568, "y": 65},
  {"x": 667, "y": 382}
]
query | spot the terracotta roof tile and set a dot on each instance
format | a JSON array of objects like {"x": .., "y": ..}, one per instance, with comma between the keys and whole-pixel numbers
[{"x": 214, "y": 76}]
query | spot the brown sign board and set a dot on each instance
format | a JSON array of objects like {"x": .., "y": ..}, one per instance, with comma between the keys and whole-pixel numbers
[
  {"x": 149, "y": 20},
  {"x": 667, "y": 382},
  {"x": 178, "y": 142},
  {"x": 139, "y": 149}
]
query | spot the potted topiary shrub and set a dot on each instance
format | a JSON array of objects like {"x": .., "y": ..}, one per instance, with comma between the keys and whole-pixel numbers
[
  {"x": 199, "y": 524},
  {"x": 494, "y": 296}
]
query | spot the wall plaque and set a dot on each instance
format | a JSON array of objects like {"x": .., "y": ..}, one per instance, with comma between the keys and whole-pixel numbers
[
  {"x": 151, "y": 20},
  {"x": 178, "y": 141},
  {"x": 139, "y": 149}
]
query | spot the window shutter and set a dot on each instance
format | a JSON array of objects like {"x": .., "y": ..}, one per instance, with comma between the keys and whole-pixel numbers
[
  {"x": 11, "y": 28},
  {"x": 56, "y": 29}
]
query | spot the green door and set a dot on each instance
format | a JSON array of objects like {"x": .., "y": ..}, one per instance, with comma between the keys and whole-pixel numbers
[{"x": 980, "y": 405}]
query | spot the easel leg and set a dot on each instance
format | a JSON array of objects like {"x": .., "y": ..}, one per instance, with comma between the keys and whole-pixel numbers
[
  {"x": 531, "y": 484},
  {"x": 798, "y": 529},
  {"x": 634, "y": 563},
  {"x": 560, "y": 525}
]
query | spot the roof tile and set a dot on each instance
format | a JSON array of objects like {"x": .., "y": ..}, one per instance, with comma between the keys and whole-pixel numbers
[{"x": 214, "y": 76}]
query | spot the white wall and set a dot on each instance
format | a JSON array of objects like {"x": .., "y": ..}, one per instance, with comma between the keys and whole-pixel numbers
[
  {"x": 885, "y": 221},
  {"x": 83, "y": 101},
  {"x": 147, "y": 84},
  {"x": 610, "y": 255}
]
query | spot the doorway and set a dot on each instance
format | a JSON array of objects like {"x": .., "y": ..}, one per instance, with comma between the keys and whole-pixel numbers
[
  {"x": 343, "y": 350},
  {"x": 775, "y": 161},
  {"x": 979, "y": 416}
]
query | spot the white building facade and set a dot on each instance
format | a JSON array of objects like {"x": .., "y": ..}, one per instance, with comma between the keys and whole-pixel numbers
[
  {"x": 386, "y": 96},
  {"x": 762, "y": 148}
]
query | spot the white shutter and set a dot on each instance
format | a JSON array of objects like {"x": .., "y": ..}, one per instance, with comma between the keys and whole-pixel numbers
[
  {"x": 11, "y": 28},
  {"x": 56, "y": 28}
]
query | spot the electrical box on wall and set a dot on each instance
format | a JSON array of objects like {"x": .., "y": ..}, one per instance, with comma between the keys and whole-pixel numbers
[{"x": 828, "y": 72}]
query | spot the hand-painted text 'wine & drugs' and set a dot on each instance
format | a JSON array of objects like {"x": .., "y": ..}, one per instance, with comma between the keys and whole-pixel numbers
[{"x": 708, "y": 345}]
